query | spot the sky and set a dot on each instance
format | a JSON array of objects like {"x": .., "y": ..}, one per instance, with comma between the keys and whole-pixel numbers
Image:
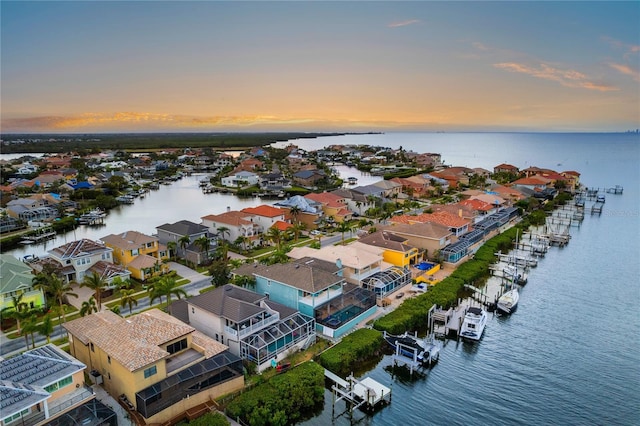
[{"x": 337, "y": 66}]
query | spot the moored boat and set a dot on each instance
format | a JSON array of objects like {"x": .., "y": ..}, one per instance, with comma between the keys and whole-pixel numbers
[
  {"x": 426, "y": 351},
  {"x": 508, "y": 302},
  {"x": 473, "y": 324}
]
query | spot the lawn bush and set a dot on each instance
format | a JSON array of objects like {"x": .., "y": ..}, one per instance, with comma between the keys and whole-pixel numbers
[{"x": 344, "y": 357}]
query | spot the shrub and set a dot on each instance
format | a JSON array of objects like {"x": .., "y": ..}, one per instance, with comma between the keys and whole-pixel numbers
[{"x": 355, "y": 347}]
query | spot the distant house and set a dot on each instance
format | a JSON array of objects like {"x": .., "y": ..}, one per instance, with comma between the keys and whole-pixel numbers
[
  {"x": 332, "y": 204},
  {"x": 34, "y": 208},
  {"x": 17, "y": 284},
  {"x": 240, "y": 179},
  {"x": 308, "y": 178},
  {"x": 397, "y": 251},
  {"x": 265, "y": 216},
  {"x": 506, "y": 168},
  {"x": 255, "y": 328},
  {"x": 141, "y": 254},
  {"x": 78, "y": 259},
  {"x": 428, "y": 237},
  {"x": 45, "y": 386},
  {"x": 534, "y": 183},
  {"x": 233, "y": 224},
  {"x": 274, "y": 181},
  {"x": 316, "y": 289},
  {"x": 390, "y": 188},
  {"x": 456, "y": 224},
  {"x": 160, "y": 365},
  {"x": 175, "y": 231}
]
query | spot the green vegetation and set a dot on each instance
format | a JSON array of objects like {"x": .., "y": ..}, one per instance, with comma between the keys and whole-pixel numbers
[
  {"x": 210, "y": 419},
  {"x": 283, "y": 400},
  {"x": 354, "y": 348}
]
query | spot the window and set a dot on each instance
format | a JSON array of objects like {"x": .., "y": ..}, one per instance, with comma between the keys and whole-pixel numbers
[
  {"x": 92, "y": 348},
  {"x": 108, "y": 359},
  {"x": 150, "y": 372},
  {"x": 177, "y": 346},
  {"x": 16, "y": 416}
]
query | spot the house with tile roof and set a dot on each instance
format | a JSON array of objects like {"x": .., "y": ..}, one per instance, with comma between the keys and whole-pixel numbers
[
  {"x": 396, "y": 249},
  {"x": 16, "y": 284},
  {"x": 80, "y": 258},
  {"x": 456, "y": 224},
  {"x": 506, "y": 168},
  {"x": 254, "y": 327},
  {"x": 533, "y": 183},
  {"x": 333, "y": 205},
  {"x": 237, "y": 224},
  {"x": 141, "y": 254},
  {"x": 317, "y": 290},
  {"x": 266, "y": 216},
  {"x": 46, "y": 386},
  {"x": 429, "y": 237},
  {"x": 160, "y": 365},
  {"x": 390, "y": 188}
]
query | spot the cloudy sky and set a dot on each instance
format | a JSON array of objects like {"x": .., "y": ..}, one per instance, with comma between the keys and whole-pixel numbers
[{"x": 319, "y": 66}]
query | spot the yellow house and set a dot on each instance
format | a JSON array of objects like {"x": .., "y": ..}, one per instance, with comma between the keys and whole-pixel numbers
[
  {"x": 141, "y": 254},
  {"x": 396, "y": 250},
  {"x": 156, "y": 364}
]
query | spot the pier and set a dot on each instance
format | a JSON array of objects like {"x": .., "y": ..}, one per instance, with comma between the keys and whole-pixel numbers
[
  {"x": 597, "y": 207},
  {"x": 357, "y": 392},
  {"x": 448, "y": 323}
]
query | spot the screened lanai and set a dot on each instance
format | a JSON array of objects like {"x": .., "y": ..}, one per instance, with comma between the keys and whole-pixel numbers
[
  {"x": 456, "y": 251},
  {"x": 385, "y": 282},
  {"x": 270, "y": 342}
]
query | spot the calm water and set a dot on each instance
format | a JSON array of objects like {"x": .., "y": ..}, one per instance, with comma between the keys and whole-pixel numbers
[{"x": 570, "y": 355}]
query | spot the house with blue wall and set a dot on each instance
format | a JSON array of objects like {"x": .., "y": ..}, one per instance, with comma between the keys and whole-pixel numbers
[{"x": 317, "y": 289}]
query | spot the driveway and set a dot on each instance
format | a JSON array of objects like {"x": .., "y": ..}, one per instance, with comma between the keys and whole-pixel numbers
[{"x": 188, "y": 273}]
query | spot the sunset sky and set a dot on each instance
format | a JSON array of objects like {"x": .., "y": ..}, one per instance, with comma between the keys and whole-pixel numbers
[{"x": 319, "y": 66}]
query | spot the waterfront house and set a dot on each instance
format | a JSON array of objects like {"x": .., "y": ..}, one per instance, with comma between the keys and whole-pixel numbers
[
  {"x": 234, "y": 224},
  {"x": 274, "y": 181},
  {"x": 397, "y": 251},
  {"x": 317, "y": 290},
  {"x": 310, "y": 211},
  {"x": 533, "y": 183},
  {"x": 184, "y": 228},
  {"x": 355, "y": 201},
  {"x": 429, "y": 237},
  {"x": 265, "y": 216},
  {"x": 160, "y": 366},
  {"x": 480, "y": 207},
  {"x": 390, "y": 188},
  {"x": 506, "y": 168},
  {"x": 308, "y": 178},
  {"x": 46, "y": 386},
  {"x": 83, "y": 257},
  {"x": 16, "y": 283},
  {"x": 254, "y": 327},
  {"x": 357, "y": 260},
  {"x": 38, "y": 207},
  {"x": 456, "y": 224},
  {"x": 141, "y": 254},
  {"x": 332, "y": 204},
  {"x": 240, "y": 179}
]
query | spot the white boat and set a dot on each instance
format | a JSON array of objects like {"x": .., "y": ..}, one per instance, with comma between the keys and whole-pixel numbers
[
  {"x": 352, "y": 180},
  {"x": 426, "y": 351},
  {"x": 511, "y": 273},
  {"x": 508, "y": 302},
  {"x": 473, "y": 324}
]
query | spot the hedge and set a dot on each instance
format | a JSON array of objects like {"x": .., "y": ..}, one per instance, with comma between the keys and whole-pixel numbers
[
  {"x": 344, "y": 357},
  {"x": 283, "y": 400}
]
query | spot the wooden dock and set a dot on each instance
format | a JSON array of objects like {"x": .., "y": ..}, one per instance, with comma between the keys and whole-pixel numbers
[
  {"x": 448, "y": 323},
  {"x": 596, "y": 208},
  {"x": 357, "y": 392}
]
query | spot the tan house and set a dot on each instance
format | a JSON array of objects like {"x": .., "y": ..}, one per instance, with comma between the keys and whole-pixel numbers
[
  {"x": 158, "y": 365},
  {"x": 429, "y": 236}
]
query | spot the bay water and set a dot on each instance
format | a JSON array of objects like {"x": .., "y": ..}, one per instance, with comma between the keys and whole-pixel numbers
[{"x": 570, "y": 355}]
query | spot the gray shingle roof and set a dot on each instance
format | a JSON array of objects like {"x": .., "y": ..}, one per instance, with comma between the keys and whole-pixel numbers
[
  {"x": 229, "y": 301},
  {"x": 183, "y": 227}
]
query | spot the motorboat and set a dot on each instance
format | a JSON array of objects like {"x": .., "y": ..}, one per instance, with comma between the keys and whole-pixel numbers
[
  {"x": 426, "y": 351},
  {"x": 473, "y": 324},
  {"x": 508, "y": 302},
  {"x": 512, "y": 274}
]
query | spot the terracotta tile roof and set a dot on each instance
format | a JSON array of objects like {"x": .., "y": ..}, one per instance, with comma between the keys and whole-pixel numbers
[
  {"x": 441, "y": 217},
  {"x": 81, "y": 326},
  {"x": 324, "y": 197},
  {"x": 143, "y": 261},
  {"x": 233, "y": 217},
  {"x": 136, "y": 342},
  {"x": 429, "y": 230},
  {"x": 571, "y": 172},
  {"x": 533, "y": 180},
  {"x": 477, "y": 205},
  {"x": 282, "y": 226},
  {"x": 264, "y": 210}
]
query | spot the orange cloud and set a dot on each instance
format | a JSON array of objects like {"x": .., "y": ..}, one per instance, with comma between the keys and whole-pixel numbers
[
  {"x": 625, "y": 69},
  {"x": 403, "y": 23},
  {"x": 568, "y": 78}
]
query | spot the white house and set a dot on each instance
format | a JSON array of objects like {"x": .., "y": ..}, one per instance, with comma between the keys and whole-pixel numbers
[{"x": 240, "y": 179}]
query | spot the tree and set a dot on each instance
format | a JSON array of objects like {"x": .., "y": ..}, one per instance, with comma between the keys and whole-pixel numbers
[
  {"x": 297, "y": 228},
  {"x": 58, "y": 289},
  {"x": 88, "y": 307},
  {"x": 184, "y": 242},
  {"x": 203, "y": 244},
  {"x": 219, "y": 272},
  {"x": 172, "y": 246},
  {"x": 222, "y": 231},
  {"x": 127, "y": 298},
  {"x": 97, "y": 283},
  {"x": 241, "y": 242},
  {"x": 18, "y": 311},
  {"x": 29, "y": 327},
  {"x": 295, "y": 211},
  {"x": 245, "y": 281},
  {"x": 45, "y": 328},
  {"x": 275, "y": 235},
  {"x": 342, "y": 228},
  {"x": 165, "y": 287}
]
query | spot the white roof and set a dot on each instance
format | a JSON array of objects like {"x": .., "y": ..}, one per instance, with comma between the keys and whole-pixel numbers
[{"x": 355, "y": 255}]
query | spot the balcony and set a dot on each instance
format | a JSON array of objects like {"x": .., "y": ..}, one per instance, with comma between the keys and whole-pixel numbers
[
  {"x": 321, "y": 297},
  {"x": 61, "y": 405},
  {"x": 253, "y": 326}
]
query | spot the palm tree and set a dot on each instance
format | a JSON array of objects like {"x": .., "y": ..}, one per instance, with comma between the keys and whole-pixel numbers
[
  {"x": 275, "y": 235},
  {"x": 172, "y": 246},
  {"x": 18, "y": 311},
  {"x": 30, "y": 326},
  {"x": 127, "y": 298},
  {"x": 88, "y": 307},
  {"x": 46, "y": 327},
  {"x": 222, "y": 230},
  {"x": 342, "y": 228},
  {"x": 165, "y": 286},
  {"x": 241, "y": 242},
  {"x": 184, "y": 242},
  {"x": 297, "y": 228},
  {"x": 97, "y": 283},
  {"x": 58, "y": 288},
  {"x": 203, "y": 244},
  {"x": 295, "y": 211}
]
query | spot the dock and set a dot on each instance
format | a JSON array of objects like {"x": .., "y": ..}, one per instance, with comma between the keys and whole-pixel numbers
[
  {"x": 366, "y": 392},
  {"x": 448, "y": 323},
  {"x": 597, "y": 207}
]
